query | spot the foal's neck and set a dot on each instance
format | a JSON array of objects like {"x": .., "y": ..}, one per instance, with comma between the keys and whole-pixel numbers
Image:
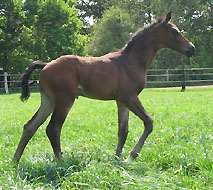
[{"x": 144, "y": 52}]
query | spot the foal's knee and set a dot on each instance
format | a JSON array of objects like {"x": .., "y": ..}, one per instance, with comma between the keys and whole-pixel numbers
[
  {"x": 29, "y": 129},
  {"x": 149, "y": 125}
]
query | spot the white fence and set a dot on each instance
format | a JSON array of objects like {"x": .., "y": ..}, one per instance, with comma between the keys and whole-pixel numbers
[
  {"x": 156, "y": 78},
  {"x": 191, "y": 76},
  {"x": 12, "y": 81}
]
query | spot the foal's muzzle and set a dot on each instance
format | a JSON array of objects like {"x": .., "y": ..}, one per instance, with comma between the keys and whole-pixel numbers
[{"x": 190, "y": 50}]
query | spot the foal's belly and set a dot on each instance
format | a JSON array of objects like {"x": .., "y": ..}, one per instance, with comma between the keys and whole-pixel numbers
[{"x": 96, "y": 92}]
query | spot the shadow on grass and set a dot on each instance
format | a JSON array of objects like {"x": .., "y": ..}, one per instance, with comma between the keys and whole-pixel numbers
[
  {"x": 50, "y": 172},
  {"x": 92, "y": 169}
]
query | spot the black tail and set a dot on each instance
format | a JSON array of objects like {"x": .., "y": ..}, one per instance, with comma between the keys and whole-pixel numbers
[{"x": 25, "y": 78}]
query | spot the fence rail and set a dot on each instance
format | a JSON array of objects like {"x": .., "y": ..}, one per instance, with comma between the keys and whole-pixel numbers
[
  {"x": 155, "y": 78},
  {"x": 179, "y": 77}
]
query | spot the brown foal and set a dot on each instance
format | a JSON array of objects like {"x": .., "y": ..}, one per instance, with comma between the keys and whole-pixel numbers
[{"x": 118, "y": 76}]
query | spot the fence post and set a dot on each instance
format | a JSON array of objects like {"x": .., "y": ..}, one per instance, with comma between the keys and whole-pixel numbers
[
  {"x": 167, "y": 75},
  {"x": 183, "y": 84},
  {"x": 5, "y": 83},
  {"x": 184, "y": 75}
]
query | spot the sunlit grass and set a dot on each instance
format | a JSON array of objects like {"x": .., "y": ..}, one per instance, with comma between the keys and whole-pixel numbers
[{"x": 177, "y": 155}]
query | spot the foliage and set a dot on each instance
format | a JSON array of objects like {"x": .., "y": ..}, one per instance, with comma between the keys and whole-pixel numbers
[
  {"x": 57, "y": 30},
  {"x": 41, "y": 30},
  {"x": 11, "y": 21},
  {"x": 177, "y": 154},
  {"x": 193, "y": 17},
  {"x": 94, "y": 8},
  {"x": 46, "y": 29},
  {"x": 111, "y": 32}
]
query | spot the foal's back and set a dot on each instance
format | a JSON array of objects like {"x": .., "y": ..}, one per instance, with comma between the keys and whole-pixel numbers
[{"x": 93, "y": 77}]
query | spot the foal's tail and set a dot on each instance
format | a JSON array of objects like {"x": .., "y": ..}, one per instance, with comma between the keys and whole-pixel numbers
[{"x": 25, "y": 78}]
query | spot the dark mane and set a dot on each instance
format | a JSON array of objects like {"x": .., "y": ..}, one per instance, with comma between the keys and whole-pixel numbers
[{"x": 139, "y": 34}]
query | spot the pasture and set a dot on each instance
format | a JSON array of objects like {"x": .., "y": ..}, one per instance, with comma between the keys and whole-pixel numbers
[{"x": 176, "y": 155}]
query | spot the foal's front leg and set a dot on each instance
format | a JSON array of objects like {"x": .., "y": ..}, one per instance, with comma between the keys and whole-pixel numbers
[
  {"x": 134, "y": 104},
  {"x": 123, "y": 117}
]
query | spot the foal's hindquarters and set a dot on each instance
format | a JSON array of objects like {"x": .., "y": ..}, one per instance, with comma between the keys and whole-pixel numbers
[{"x": 57, "y": 97}]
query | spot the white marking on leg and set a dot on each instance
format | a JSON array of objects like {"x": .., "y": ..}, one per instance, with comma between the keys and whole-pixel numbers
[
  {"x": 129, "y": 159},
  {"x": 45, "y": 110}
]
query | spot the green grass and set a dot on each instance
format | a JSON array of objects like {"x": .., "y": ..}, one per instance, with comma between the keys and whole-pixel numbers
[{"x": 177, "y": 154}]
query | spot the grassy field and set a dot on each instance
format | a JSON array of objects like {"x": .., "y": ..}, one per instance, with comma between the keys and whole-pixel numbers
[{"x": 177, "y": 155}]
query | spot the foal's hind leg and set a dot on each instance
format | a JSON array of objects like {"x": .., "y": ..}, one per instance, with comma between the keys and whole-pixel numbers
[
  {"x": 123, "y": 117},
  {"x": 61, "y": 109},
  {"x": 33, "y": 124}
]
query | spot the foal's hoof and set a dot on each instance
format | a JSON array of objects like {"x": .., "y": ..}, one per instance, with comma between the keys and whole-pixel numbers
[{"x": 129, "y": 160}]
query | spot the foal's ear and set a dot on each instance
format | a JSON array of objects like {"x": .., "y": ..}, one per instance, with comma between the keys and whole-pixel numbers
[{"x": 168, "y": 17}]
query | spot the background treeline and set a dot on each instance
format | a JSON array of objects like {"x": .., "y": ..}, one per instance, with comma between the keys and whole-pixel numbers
[{"x": 46, "y": 29}]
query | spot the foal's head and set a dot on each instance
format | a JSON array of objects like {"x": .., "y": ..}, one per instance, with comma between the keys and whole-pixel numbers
[{"x": 170, "y": 37}]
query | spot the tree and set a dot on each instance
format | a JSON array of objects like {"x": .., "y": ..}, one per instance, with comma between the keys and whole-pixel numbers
[
  {"x": 11, "y": 26},
  {"x": 38, "y": 29},
  {"x": 94, "y": 8},
  {"x": 194, "y": 17},
  {"x": 56, "y": 29},
  {"x": 111, "y": 33}
]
